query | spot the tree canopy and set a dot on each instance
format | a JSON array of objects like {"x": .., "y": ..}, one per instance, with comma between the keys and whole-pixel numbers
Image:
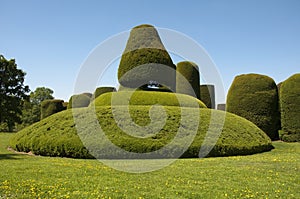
[{"x": 13, "y": 92}]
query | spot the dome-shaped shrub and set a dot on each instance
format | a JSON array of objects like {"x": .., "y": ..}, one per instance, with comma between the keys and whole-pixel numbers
[
  {"x": 145, "y": 59},
  {"x": 255, "y": 97},
  {"x": 190, "y": 72},
  {"x": 207, "y": 95},
  {"x": 142, "y": 98},
  {"x": 49, "y": 107},
  {"x": 101, "y": 90},
  {"x": 78, "y": 101},
  {"x": 58, "y": 135},
  {"x": 290, "y": 108}
]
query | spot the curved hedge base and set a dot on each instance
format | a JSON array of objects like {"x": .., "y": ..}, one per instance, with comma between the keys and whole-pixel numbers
[
  {"x": 147, "y": 98},
  {"x": 290, "y": 109},
  {"x": 255, "y": 97},
  {"x": 57, "y": 135}
]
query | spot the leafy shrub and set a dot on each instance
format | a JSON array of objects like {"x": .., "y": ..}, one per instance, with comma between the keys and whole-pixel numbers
[
  {"x": 190, "y": 72},
  {"x": 147, "y": 98},
  {"x": 290, "y": 108},
  {"x": 49, "y": 107},
  {"x": 255, "y": 97},
  {"x": 207, "y": 95},
  {"x": 145, "y": 59},
  {"x": 78, "y": 101},
  {"x": 57, "y": 135},
  {"x": 101, "y": 90}
]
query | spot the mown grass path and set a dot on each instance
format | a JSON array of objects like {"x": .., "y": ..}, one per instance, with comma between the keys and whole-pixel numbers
[{"x": 272, "y": 174}]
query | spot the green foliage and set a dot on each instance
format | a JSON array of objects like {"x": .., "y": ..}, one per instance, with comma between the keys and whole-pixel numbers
[
  {"x": 188, "y": 79},
  {"x": 147, "y": 98},
  {"x": 145, "y": 59},
  {"x": 50, "y": 107},
  {"x": 290, "y": 108},
  {"x": 101, "y": 90},
  {"x": 57, "y": 135},
  {"x": 255, "y": 97},
  {"x": 13, "y": 92},
  {"x": 207, "y": 95},
  {"x": 78, "y": 101},
  {"x": 40, "y": 94},
  {"x": 31, "y": 112}
]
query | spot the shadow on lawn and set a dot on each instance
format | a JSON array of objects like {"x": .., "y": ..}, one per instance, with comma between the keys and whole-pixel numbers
[{"x": 10, "y": 156}]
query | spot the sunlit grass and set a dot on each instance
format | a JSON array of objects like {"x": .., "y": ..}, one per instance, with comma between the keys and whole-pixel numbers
[{"x": 272, "y": 174}]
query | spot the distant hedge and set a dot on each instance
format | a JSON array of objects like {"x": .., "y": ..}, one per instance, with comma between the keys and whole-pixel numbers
[
  {"x": 255, "y": 97},
  {"x": 207, "y": 95},
  {"x": 78, "y": 101},
  {"x": 145, "y": 49},
  {"x": 190, "y": 72},
  {"x": 221, "y": 107},
  {"x": 101, "y": 90},
  {"x": 147, "y": 98},
  {"x": 49, "y": 107},
  {"x": 290, "y": 108}
]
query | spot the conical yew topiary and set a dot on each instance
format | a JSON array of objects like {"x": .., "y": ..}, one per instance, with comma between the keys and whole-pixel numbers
[
  {"x": 255, "y": 97},
  {"x": 146, "y": 60}
]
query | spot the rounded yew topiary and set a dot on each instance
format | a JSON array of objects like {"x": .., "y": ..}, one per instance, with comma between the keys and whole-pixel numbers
[
  {"x": 145, "y": 59},
  {"x": 49, "y": 107},
  {"x": 255, "y": 97},
  {"x": 78, "y": 101},
  {"x": 290, "y": 108},
  {"x": 188, "y": 73},
  {"x": 58, "y": 135},
  {"x": 207, "y": 95},
  {"x": 101, "y": 90}
]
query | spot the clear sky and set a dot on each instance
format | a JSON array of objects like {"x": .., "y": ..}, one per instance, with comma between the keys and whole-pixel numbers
[{"x": 51, "y": 39}]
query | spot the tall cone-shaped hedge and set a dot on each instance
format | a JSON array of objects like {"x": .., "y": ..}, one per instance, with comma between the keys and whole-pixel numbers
[
  {"x": 190, "y": 72},
  {"x": 290, "y": 108},
  {"x": 145, "y": 59},
  {"x": 255, "y": 97},
  {"x": 207, "y": 95}
]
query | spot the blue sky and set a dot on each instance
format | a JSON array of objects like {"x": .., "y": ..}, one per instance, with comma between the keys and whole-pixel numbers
[{"x": 51, "y": 39}]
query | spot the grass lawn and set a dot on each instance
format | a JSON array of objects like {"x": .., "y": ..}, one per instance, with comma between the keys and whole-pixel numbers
[{"x": 272, "y": 174}]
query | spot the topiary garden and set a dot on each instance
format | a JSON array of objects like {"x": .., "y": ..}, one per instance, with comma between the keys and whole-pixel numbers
[{"x": 146, "y": 99}]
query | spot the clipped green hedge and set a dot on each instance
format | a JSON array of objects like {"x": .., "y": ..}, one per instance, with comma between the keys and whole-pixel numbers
[
  {"x": 147, "y": 98},
  {"x": 101, "y": 90},
  {"x": 255, "y": 97},
  {"x": 190, "y": 72},
  {"x": 145, "y": 49},
  {"x": 78, "y": 101},
  {"x": 49, "y": 107},
  {"x": 57, "y": 135},
  {"x": 207, "y": 95},
  {"x": 290, "y": 108}
]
